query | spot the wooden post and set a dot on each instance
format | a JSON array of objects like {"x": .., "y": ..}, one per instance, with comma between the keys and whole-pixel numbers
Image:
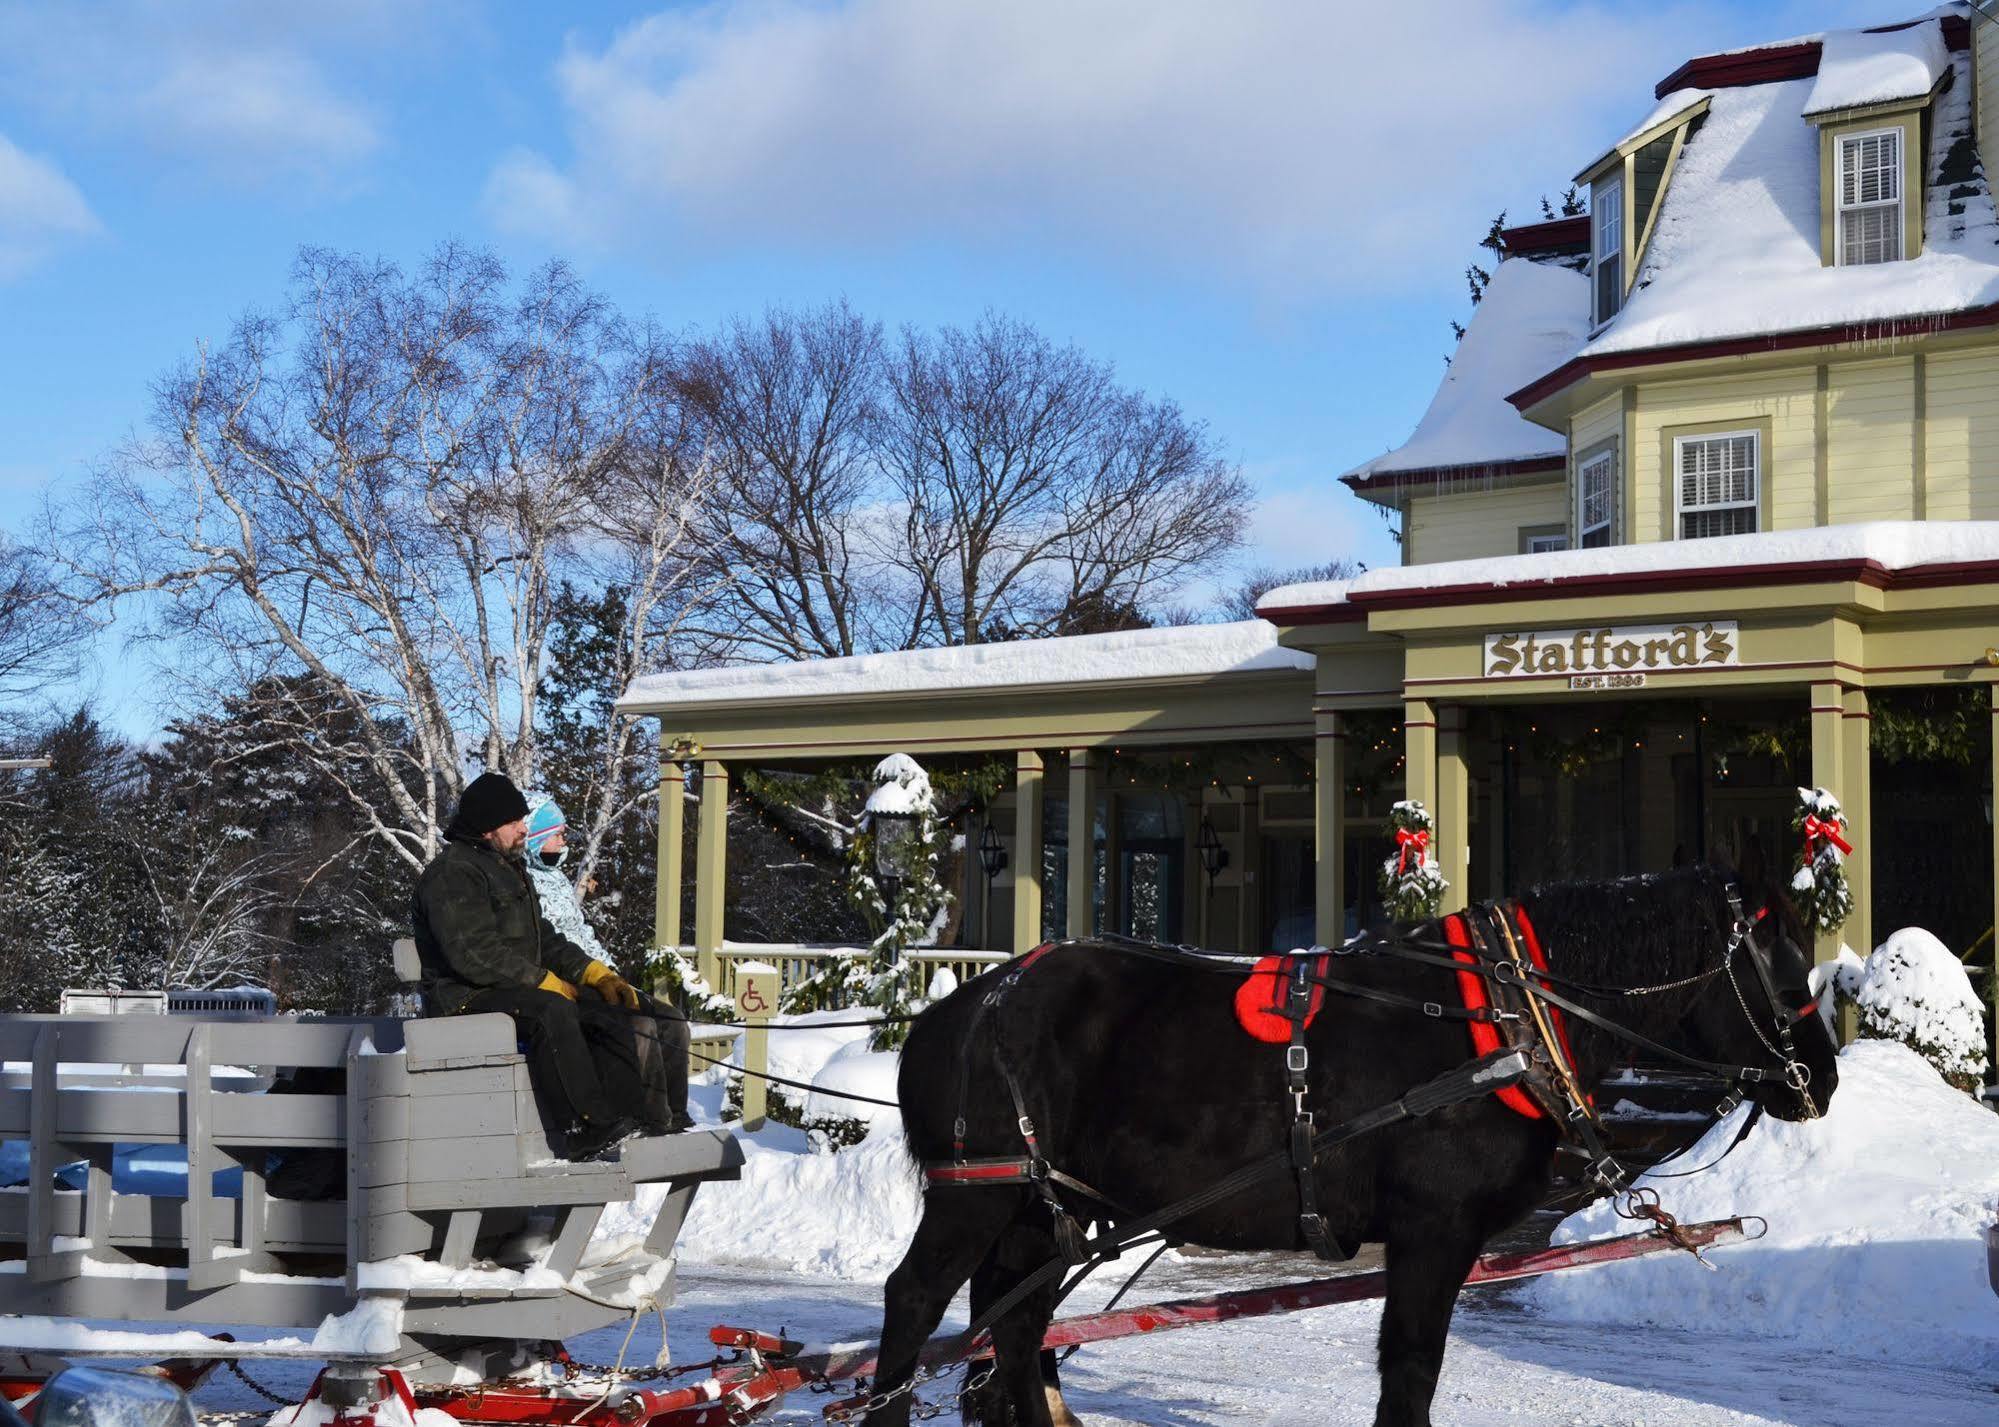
[
  {"x": 1828, "y": 710},
  {"x": 1419, "y": 749},
  {"x": 672, "y": 836},
  {"x": 1857, "y": 798},
  {"x": 1081, "y": 919},
  {"x": 1027, "y": 850},
  {"x": 712, "y": 872},
  {"x": 1329, "y": 826},
  {"x": 757, "y": 987},
  {"x": 1992, "y": 986},
  {"x": 1453, "y": 806}
]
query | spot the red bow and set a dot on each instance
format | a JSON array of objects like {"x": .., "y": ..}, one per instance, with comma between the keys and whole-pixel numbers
[
  {"x": 1405, "y": 839},
  {"x": 1828, "y": 829}
]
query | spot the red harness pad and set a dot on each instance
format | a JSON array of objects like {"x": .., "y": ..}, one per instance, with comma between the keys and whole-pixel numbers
[{"x": 1259, "y": 1001}]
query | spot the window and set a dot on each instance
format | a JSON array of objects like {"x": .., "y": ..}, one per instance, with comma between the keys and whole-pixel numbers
[
  {"x": 1595, "y": 478},
  {"x": 1607, "y": 248},
  {"x": 1870, "y": 197},
  {"x": 1717, "y": 478},
  {"x": 1546, "y": 544}
]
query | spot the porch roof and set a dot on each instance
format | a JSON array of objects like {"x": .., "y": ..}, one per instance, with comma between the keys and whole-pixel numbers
[
  {"x": 1191, "y": 651},
  {"x": 1878, "y": 553}
]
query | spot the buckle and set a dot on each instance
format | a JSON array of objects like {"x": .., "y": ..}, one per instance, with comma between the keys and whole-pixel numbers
[
  {"x": 1434, "y": 1010},
  {"x": 1026, "y": 1128},
  {"x": 1296, "y": 1059}
]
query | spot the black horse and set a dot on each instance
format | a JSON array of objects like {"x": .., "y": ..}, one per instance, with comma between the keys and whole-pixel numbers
[{"x": 1141, "y": 1085}]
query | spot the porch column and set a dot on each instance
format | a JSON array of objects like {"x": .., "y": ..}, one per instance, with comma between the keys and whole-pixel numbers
[
  {"x": 1027, "y": 851},
  {"x": 1419, "y": 752},
  {"x": 711, "y": 873},
  {"x": 1081, "y": 920},
  {"x": 1453, "y": 805},
  {"x": 672, "y": 830},
  {"x": 1993, "y": 985},
  {"x": 1329, "y": 865},
  {"x": 1828, "y": 711},
  {"x": 1857, "y": 797}
]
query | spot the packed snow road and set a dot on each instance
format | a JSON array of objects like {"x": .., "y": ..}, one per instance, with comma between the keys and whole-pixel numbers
[{"x": 1505, "y": 1365}]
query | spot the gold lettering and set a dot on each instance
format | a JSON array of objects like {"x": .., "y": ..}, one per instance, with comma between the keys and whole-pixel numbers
[
  {"x": 1682, "y": 647},
  {"x": 1652, "y": 650},
  {"x": 1504, "y": 655},
  {"x": 1719, "y": 650},
  {"x": 1624, "y": 653},
  {"x": 1554, "y": 659}
]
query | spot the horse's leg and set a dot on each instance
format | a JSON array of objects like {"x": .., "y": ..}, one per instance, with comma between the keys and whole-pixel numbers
[
  {"x": 1428, "y": 1258},
  {"x": 1024, "y": 1377},
  {"x": 959, "y": 1225}
]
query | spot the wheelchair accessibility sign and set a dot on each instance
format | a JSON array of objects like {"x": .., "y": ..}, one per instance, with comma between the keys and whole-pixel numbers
[{"x": 756, "y": 993}]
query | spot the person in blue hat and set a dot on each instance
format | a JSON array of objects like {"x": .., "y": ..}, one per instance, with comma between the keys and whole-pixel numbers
[{"x": 661, "y": 1029}]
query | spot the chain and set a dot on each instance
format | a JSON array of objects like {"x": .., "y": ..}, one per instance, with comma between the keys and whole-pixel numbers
[
  {"x": 273, "y": 1398},
  {"x": 222, "y": 1419},
  {"x": 918, "y": 1411}
]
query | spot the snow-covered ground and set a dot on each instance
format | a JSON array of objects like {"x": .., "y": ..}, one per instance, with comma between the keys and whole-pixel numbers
[{"x": 1866, "y": 1304}]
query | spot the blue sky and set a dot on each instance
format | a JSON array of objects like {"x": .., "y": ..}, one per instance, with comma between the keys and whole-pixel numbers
[{"x": 1261, "y": 209}]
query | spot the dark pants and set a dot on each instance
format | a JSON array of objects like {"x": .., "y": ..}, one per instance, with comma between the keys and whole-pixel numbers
[
  {"x": 582, "y": 1051},
  {"x": 663, "y": 1040}
]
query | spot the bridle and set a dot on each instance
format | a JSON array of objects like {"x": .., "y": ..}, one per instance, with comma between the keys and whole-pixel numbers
[{"x": 1783, "y": 1048}]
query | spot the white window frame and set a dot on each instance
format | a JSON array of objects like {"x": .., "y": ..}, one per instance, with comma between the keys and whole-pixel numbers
[
  {"x": 1841, "y": 208},
  {"x": 1755, "y": 502},
  {"x": 1606, "y": 207},
  {"x": 1606, "y": 457},
  {"x": 1546, "y": 544}
]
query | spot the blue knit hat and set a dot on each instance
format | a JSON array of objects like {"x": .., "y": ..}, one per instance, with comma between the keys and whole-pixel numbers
[{"x": 545, "y": 820}]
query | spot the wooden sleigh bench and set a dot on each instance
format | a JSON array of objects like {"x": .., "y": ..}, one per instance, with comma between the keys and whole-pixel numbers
[{"x": 443, "y": 1192}]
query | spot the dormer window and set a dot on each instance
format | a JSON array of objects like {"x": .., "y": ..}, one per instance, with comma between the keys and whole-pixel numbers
[
  {"x": 1607, "y": 249},
  {"x": 1594, "y": 474},
  {"x": 1870, "y": 197}
]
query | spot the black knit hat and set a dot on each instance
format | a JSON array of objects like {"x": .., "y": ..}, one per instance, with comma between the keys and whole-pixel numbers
[{"x": 490, "y": 800}]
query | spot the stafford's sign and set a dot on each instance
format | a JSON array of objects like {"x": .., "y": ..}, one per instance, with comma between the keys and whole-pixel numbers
[{"x": 1612, "y": 656}]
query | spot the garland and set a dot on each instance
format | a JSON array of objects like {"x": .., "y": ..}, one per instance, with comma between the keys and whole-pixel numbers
[
  {"x": 1819, "y": 883},
  {"x": 1412, "y": 882}
]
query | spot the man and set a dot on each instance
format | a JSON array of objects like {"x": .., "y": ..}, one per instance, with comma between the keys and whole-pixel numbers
[
  {"x": 661, "y": 1029},
  {"x": 485, "y": 946}
]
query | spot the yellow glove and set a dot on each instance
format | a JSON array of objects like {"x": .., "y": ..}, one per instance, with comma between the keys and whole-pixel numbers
[
  {"x": 551, "y": 982},
  {"x": 612, "y": 987}
]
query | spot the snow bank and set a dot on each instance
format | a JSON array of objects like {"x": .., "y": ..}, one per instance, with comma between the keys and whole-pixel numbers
[
  {"x": 1914, "y": 989},
  {"x": 1859, "y": 67},
  {"x": 1186, "y": 651},
  {"x": 856, "y": 1070},
  {"x": 1533, "y": 317},
  {"x": 1876, "y": 1214}
]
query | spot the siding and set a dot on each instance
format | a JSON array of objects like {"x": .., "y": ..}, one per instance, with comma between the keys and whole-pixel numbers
[
  {"x": 1962, "y": 426},
  {"x": 1471, "y": 525},
  {"x": 1592, "y": 426},
  {"x": 1871, "y": 412},
  {"x": 1786, "y": 398}
]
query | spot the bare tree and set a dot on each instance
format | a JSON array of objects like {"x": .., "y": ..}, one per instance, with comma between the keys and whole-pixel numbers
[
  {"x": 375, "y": 489},
  {"x": 787, "y": 409},
  {"x": 1031, "y": 484},
  {"x": 40, "y": 634},
  {"x": 1240, "y": 603}
]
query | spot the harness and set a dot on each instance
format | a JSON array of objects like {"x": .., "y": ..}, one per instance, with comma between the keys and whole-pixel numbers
[{"x": 1515, "y": 1015}]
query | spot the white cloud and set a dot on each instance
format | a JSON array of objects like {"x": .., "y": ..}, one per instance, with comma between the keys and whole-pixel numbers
[
  {"x": 240, "y": 90},
  {"x": 40, "y": 210},
  {"x": 1307, "y": 148}
]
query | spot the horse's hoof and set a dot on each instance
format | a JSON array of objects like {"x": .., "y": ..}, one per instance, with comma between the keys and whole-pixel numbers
[{"x": 1058, "y": 1410}]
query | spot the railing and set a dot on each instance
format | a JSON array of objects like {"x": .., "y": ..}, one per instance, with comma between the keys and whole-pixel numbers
[{"x": 797, "y": 962}]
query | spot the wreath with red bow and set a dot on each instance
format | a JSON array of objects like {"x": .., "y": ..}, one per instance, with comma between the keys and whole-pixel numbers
[
  {"x": 1412, "y": 882},
  {"x": 1819, "y": 883}
]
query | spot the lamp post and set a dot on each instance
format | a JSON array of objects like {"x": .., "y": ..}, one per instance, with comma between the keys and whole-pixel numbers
[
  {"x": 992, "y": 861},
  {"x": 894, "y": 834}
]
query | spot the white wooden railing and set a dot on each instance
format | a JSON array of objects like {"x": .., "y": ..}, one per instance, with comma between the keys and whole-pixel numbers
[{"x": 797, "y": 961}]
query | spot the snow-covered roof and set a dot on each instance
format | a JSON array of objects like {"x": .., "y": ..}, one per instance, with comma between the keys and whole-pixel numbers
[
  {"x": 1858, "y": 67},
  {"x": 1180, "y": 652},
  {"x": 1891, "y": 544},
  {"x": 1736, "y": 250},
  {"x": 1671, "y": 107},
  {"x": 1533, "y": 317}
]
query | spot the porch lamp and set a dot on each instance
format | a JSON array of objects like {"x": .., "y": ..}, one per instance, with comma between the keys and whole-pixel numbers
[
  {"x": 992, "y": 853},
  {"x": 1214, "y": 857},
  {"x": 895, "y": 835}
]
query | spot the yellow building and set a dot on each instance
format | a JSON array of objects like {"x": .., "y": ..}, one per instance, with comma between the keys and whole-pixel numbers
[{"x": 1706, "y": 508}]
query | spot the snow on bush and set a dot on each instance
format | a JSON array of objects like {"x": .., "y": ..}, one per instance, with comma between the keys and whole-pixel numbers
[
  {"x": 1412, "y": 882},
  {"x": 1876, "y": 1215},
  {"x": 1914, "y": 990}
]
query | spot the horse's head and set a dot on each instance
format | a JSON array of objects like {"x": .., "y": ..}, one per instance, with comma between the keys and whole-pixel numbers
[{"x": 1761, "y": 1011}]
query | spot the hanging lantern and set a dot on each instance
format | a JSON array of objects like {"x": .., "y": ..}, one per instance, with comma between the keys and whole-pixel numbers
[
  {"x": 992, "y": 852},
  {"x": 1214, "y": 857}
]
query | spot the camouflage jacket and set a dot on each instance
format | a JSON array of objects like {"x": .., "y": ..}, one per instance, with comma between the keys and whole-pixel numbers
[{"x": 479, "y": 924}]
